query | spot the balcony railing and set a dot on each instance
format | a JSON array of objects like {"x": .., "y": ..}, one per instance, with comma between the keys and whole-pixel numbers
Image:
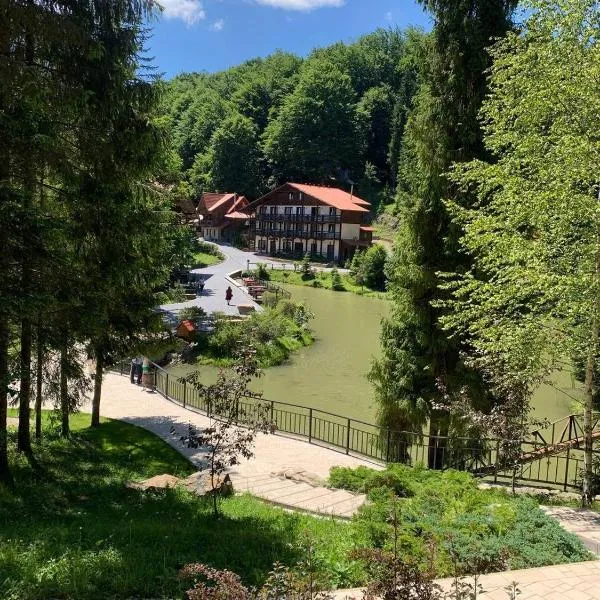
[
  {"x": 309, "y": 218},
  {"x": 282, "y": 233}
]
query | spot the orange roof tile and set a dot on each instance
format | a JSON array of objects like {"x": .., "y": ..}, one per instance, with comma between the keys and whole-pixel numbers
[
  {"x": 333, "y": 196},
  {"x": 363, "y": 228}
]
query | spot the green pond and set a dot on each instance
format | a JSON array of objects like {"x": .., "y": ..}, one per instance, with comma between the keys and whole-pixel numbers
[{"x": 331, "y": 373}]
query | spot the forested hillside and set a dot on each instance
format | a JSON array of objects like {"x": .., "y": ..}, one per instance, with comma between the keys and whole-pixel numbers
[{"x": 337, "y": 115}]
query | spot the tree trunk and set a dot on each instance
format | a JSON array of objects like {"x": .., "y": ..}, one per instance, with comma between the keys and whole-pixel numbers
[
  {"x": 587, "y": 492},
  {"x": 97, "y": 387},
  {"x": 64, "y": 390},
  {"x": 39, "y": 385},
  {"x": 24, "y": 436},
  {"x": 588, "y": 421},
  {"x": 5, "y": 474},
  {"x": 438, "y": 439}
]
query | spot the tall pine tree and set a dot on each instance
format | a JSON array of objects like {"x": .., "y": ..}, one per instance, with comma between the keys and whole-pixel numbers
[{"x": 421, "y": 366}]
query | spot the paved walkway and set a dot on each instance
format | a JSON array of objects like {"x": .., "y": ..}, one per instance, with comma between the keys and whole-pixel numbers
[
  {"x": 213, "y": 296},
  {"x": 579, "y": 581},
  {"x": 266, "y": 475},
  {"x": 585, "y": 524},
  {"x": 215, "y": 285}
]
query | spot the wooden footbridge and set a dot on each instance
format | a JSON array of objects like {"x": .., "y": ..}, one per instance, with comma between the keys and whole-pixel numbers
[{"x": 559, "y": 437}]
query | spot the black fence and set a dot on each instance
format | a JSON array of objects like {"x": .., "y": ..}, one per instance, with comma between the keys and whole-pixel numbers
[{"x": 541, "y": 465}]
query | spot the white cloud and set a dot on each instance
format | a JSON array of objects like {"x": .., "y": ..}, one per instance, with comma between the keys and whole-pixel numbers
[
  {"x": 301, "y": 4},
  {"x": 389, "y": 16},
  {"x": 190, "y": 11},
  {"x": 217, "y": 25}
]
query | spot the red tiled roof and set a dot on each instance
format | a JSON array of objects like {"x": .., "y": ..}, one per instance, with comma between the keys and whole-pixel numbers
[
  {"x": 241, "y": 202},
  {"x": 363, "y": 228},
  {"x": 237, "y": 215},
  {"x": 333, "y": 196},
  {"x": 211, "y": 200}
]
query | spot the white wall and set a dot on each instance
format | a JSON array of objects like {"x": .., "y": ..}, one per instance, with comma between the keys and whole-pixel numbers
[{"x": 350, "y": 231}]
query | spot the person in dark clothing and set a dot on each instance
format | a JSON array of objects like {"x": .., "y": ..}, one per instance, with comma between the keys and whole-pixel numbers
[
  {"x": 132, "y": 372},
  {"x": 228, "y": 295},
  {"x": 201, "y": 286}
]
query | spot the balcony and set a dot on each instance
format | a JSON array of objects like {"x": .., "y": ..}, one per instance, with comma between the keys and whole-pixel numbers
[
  {"x": 294, "y": 233},
  {"x": 260, "y": 217}
]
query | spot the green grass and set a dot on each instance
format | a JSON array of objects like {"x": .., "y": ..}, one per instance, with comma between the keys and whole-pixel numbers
[
  {"x": 323, "y": 280},
  {"x": 203, "y": 259},
  {"x": 75, "y": 531}
]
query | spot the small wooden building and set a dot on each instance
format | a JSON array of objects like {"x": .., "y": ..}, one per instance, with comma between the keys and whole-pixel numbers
[{"x": 186, "y": 330}]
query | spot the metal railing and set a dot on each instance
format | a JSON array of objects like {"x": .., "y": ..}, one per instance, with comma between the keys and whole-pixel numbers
[{"x": 386, "y": 445}]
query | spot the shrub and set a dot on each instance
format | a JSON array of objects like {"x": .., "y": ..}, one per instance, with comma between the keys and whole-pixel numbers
[
  {"x": 305, "y": 268},
  {"x": 336, "y": 280},
  {"x": 262, "y": 272},
  {"x": 373, "y": 267}
]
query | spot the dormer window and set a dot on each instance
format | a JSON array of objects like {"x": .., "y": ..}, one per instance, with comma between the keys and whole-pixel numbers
[{"x": 291, "y": 196}]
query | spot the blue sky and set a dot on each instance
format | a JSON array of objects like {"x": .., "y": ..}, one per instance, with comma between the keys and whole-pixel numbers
[{"x": 210, "y": 35}]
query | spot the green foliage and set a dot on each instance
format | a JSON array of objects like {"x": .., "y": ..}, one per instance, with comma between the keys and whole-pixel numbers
[
  {"x": 262, "y": 272},
  {"x": 297, "y": 118},
  {"x": 232, "y": 160},
  {"x": 336, "y": 281},
  {"x": 316, "y": 131},
  {"x": 472, "y": 530},
  {"x": 305, "y": 268},
  {"x": 531, "y": 296},
  {"x": 421, "y": 365},
  {"x": 275, "y": 333},
  {"x": 83, "y": 534},
  {"x": 368, "y": 267}
]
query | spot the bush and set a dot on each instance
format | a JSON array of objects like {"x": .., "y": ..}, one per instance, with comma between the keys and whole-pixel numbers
[
  {"x": 305, "y": 268},
  {"x": 262, "y": 272},
  {"x": 472, "y": 530},
  {"x": 373, "y": 267},
  {"x": 336, "y": 280},
  {"x": 208, "y": 248}
]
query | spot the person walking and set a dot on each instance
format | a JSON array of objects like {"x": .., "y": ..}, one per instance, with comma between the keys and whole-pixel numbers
[
  {"x": 201, "y": 286},
  {"x": 228, "y": 295}
]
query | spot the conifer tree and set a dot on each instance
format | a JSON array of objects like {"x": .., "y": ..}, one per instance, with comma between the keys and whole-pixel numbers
[{"x": 421, "y": 365}]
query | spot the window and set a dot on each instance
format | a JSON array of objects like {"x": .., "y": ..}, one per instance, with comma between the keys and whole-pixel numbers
[
  {"x": 270, "y": 225},
  {"x": 331, "y": 228},
  {"x": 299, "y": 210},
  {"x": 262, "y": 244},
  {"x": 263, "y": 210},
  {"x": 301, "y": 196},
  {"x": 330, "y": 251},
  {"x": 291, "y": 196},
  {"x": 287, "y": 246},
  {"x": 313, "y": 248},
  {"x": 331, "y": 211},
  {"x": 288, "y": 210},
  {"x": 273, "y": 210}
]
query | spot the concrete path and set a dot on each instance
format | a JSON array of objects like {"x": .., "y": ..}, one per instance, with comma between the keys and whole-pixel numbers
[
  {"x": 579, "y": 581},
  {"x": 213, "y": 296},
  {"x": 215, "y": 285},
  {"x": 584, "y": 523},
  {"x": 263, "y": 475}
]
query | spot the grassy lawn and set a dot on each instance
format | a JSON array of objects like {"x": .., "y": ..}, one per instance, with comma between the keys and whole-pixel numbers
[
  {"x": 203, "y": 259},
  {"x": 323, "y": 280},
  {"x": 76, "y": 531}
]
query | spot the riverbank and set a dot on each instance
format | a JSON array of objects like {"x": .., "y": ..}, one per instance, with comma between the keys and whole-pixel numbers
[
  {"x": 275, "y": 333},
  {"x": 323, "y": 279}
]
